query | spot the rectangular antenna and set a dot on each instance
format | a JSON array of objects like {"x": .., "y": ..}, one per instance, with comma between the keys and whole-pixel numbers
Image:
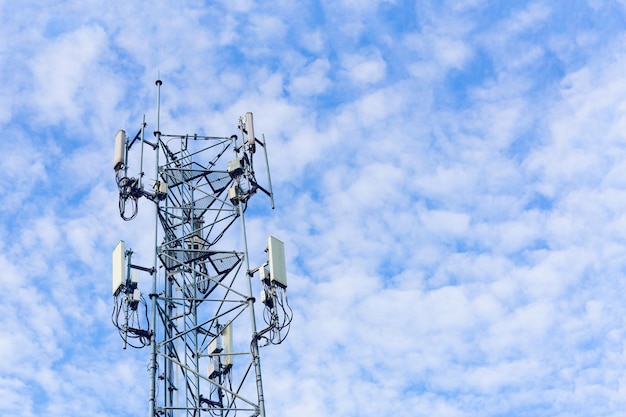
[
  {"x": 118, "y": 268},
  {"x": 250, "y": 129},
  {"x": 276, "y": 257},
  {"x": 227, "y": 345}
]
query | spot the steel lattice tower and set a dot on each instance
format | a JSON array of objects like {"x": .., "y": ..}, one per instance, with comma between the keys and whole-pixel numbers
[{"x": 201, "y": 328}]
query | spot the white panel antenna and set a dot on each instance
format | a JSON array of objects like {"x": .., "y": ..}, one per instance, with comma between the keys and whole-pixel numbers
[
  {"x": 119, "y": 159},
  {"x": 250, "y": 129},
  {"x": 118, "y": 268},
  {"x": 227, "y": 345},
  {"x": 276, "y": 256}
]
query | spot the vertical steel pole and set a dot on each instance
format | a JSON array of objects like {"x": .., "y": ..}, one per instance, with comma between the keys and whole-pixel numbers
[
  {"x": 194, "y": 305},
  {"x": 255, "y": 340},
  {"x": 153, "y": 295}
]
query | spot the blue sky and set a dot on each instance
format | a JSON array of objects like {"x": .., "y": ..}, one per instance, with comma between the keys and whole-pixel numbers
[{"x": 450, "y": 181}]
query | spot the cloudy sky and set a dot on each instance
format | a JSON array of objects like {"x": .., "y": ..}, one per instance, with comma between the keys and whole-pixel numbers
[{"x": 450, "y": 182}]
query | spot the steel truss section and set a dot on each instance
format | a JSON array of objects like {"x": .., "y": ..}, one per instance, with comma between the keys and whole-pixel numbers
[{"x": 205, "y": 347}]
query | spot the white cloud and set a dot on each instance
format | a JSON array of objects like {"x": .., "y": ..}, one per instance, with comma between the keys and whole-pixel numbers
[
  {"x": 365, "y": 69},
  {"x": 60, "y": 69},
  {"x": 312, "y": 79},
  {"x": 18, "y": 185},
  {"x": 313, "y": 41}
]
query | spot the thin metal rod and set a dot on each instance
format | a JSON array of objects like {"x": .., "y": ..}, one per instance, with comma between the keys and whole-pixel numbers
[
  {"x": 143, "y": 125},
  {"x": 267, "y": 165}
]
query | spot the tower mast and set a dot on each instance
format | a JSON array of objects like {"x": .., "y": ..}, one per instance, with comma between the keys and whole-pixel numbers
[{"x": 200, "y": 323}]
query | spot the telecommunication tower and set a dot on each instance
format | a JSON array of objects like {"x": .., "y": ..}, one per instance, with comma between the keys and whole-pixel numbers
[{"x": 199, "y": 319}]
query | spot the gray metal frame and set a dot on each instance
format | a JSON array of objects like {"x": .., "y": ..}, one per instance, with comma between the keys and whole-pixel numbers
[
  {"x": 201, "y": 295},
  {"x": 202, "y": 288}
]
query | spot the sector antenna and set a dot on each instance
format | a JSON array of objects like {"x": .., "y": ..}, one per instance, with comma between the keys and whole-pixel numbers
[{"x": 198, "y": 320}]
